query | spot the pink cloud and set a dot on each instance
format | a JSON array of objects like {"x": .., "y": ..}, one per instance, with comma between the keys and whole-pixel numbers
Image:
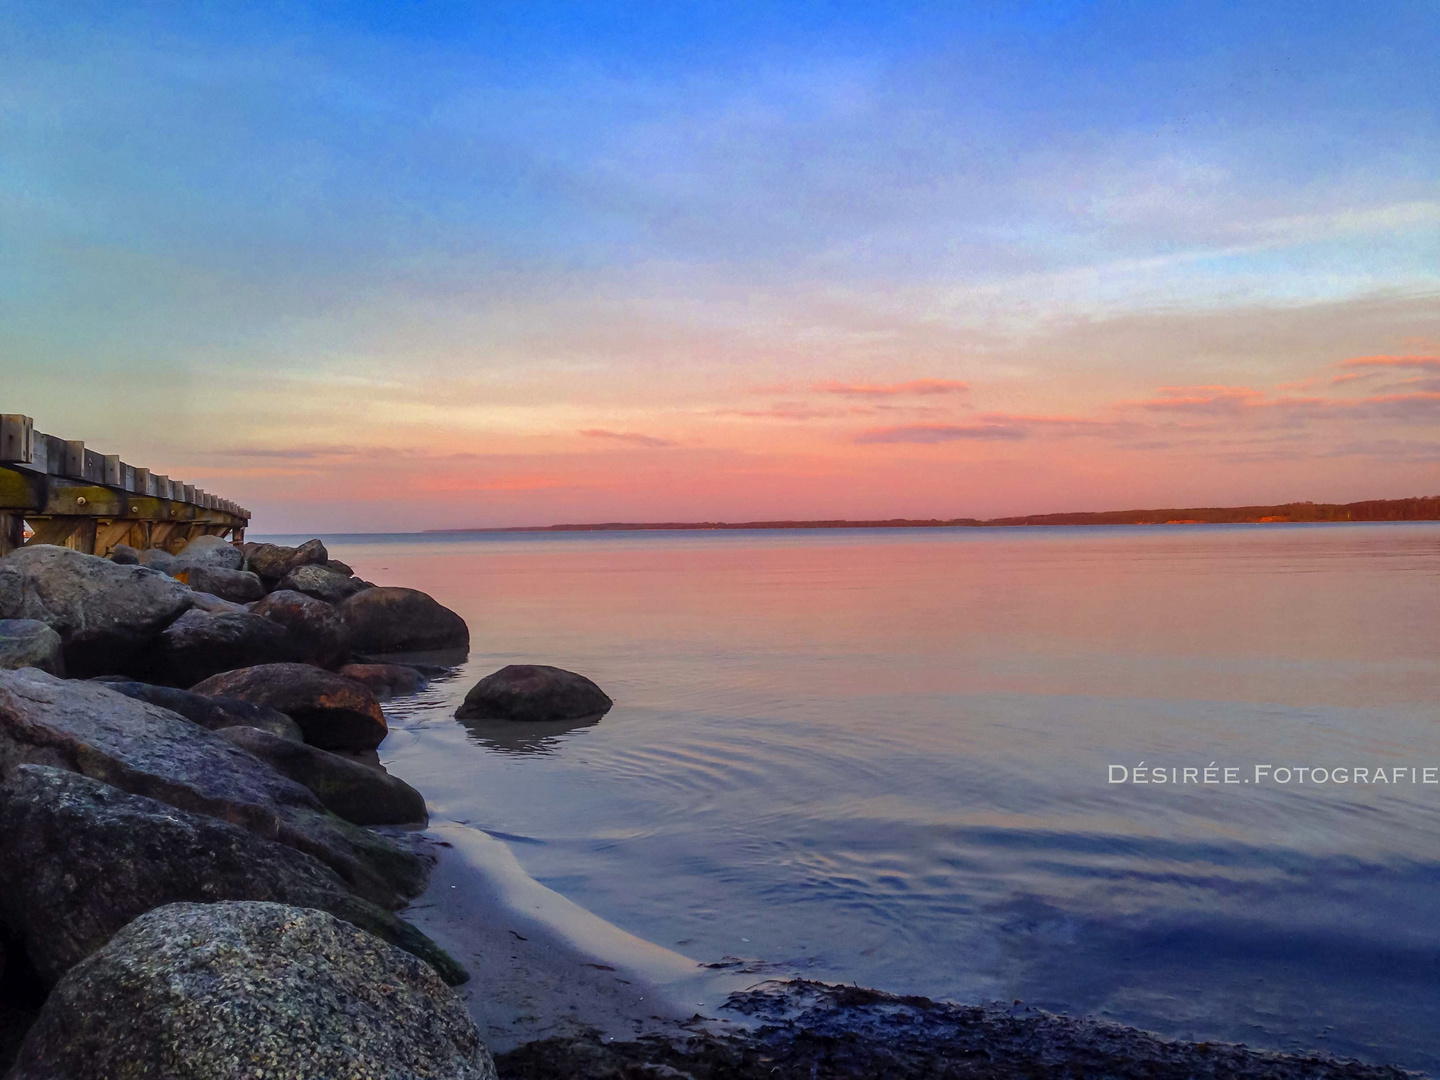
[
  {"x": 940, "y": 433},
  {"x": 635, "y": 438},
  {"x": 914, "y": 386}
]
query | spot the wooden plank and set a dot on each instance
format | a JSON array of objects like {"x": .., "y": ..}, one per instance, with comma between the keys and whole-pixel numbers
[
  {"x": 143, "y": 484},
  {"x": 17, "y": 438},
  {"x": 83, "y": 500},
  {"x": 21, "y": 491},
  {"x": 73, "y": 463},
  {"x": 113, "y": 471}
]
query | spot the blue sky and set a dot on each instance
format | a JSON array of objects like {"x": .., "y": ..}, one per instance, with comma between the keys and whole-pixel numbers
[{"x": 495, "y": 227}]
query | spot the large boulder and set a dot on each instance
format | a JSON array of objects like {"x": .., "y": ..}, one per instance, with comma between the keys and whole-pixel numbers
[
  {"x": 534, "y": 692},
  {"x": 85, "y": 858},
  {"x": 317, "y": 631},
  {"x": 143, "y": 749},
  {"x": 211, "y": 551},
  {"x": 387, "y": 680},
  {"x": 334, "y": 712},
  {"x": 357, "y": 793},
  {"x": 212, "y": 713},
  {"x": 273, "y": 561},
  {"x": 200, "y": 644},
  {"x": 104, "y": 612},
  {"x": 218, "y": 991},
  {"x": 238, "y": 586},
  {"x": 322, "y": 583},
  {"x": 30, "y": 643},
  {"x": 156, "y": 559},
  {"x": 387, "y": 620}
]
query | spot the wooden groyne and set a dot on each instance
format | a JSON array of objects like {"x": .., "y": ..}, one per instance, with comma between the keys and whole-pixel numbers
[{"x": 75, "y": 497}]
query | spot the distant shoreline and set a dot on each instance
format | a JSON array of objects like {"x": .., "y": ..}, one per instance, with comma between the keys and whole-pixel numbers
[{"x": 1415, "y": 509}]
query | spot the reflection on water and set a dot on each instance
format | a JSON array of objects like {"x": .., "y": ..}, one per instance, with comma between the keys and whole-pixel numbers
[
  {"x": 524, "y": 737},
  {"x": 882, "y": 756}
]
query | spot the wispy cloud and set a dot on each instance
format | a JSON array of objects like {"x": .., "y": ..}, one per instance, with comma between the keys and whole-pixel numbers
[
  {"x": 882, "y": 390},
  {"x": 632, "y": 437},
  {"x": 942, "y": 433}
]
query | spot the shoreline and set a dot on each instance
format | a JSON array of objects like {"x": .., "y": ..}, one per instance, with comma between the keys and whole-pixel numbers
[{"x": 556, "y": 990}]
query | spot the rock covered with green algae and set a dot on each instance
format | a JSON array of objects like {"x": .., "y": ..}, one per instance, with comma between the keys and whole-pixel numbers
[{"x": 230, "y": 990}]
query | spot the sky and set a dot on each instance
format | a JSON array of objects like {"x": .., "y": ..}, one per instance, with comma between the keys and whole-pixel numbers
[{"x": 376, "y": 266}]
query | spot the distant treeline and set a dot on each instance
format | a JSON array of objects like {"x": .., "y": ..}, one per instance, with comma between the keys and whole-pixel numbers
[{"x": 1416, "y": 509}]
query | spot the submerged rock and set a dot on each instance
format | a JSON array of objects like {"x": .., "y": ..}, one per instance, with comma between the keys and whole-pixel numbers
[
  {"x": 274, "y": 561},
  {"x": 212, "y": 551},
  {"x": 216, "y": 991},
  {"x": 387, "y": 680},
  {"x": 200, "y": 644},
  {"x": 534, "y": 692},
  {"x": 212, "y": 713},
  {"x": 147, "y": 750},
  {"x": 317, "y": 630},
  {"x": 238, "y": 586},
  {"x": 334, "y": 712},
  {"x": 30, "y": 643},
  {"x": 105, "y": 613},
  {"x": 386, "y": 620},
  {"x": 322, "y": 583},
  {"x": 86, "y": 858},
  {"x": 355, "y": 792}
]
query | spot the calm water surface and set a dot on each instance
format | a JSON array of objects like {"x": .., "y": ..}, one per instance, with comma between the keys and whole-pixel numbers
[{"x": 883, "y": 756}]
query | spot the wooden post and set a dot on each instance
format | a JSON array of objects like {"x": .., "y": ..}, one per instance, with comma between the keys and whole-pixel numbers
[
  {"x": 12, "y": 532},
  {"x": 74, "y": 466},
  {"x": 17, "y": 438}
]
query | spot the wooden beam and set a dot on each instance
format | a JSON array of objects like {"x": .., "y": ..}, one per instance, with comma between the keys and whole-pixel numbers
[{"x": 12, "y": 532}]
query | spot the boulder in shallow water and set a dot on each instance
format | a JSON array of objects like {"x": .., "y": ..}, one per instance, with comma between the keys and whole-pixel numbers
[
  {"x": 322, "y": 583},
  {"x": 238, "y": 586},
  {"x": 200, "y": 644},
  {"x": 357, "y": 793},
  {"x": 86, "y": 859},
  {"x": 211, "y": 551},
  {"x": 214, "y": 714},
  {"x": 105, "y": 613},
  {"x": 318, "y": 633},
  {"x": 387, "y": 680},
  {"x": 386, "y": 620},
  {"x": 216, "y": 991},
  {"x": 146, "y": 750},
  {"x": 30, "y": 643},
  {"x": 334, "y": 712},
  {"x": 534, "y": 692},
  {"x": 273, "y": 561}
]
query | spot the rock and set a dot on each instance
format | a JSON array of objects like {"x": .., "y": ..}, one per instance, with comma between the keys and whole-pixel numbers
[
  {"x": 30, "y": 643},
  {"x": 387, "y": 680},
  {"x": 244, "y": 989},
  {"x": 533, "y": 692},
  {"x": 204, "y": 601},
  {"x": 214, "y": 714},
  {"x": 86, "y": 859},
  {"x": 274, "y": 561},
  {"x": 199, "y": 644},
  {"x": 125, "y": 555},
  {"x": 334, "y": 712},
  {"x": 156, "y": 559},
  {"x": 321, "y": 583},
  {"x": 360, "y": 795},
  {"x": 105, "y": 613},
  {"x": 211, "y": 551},
  {"x": 317, "y": 631},
  {"x": 337, "y": 567},
  {"x": 140, "y": 748},
  {"x": 387, "y": 620},
  {"x": 239, "y": 586}
]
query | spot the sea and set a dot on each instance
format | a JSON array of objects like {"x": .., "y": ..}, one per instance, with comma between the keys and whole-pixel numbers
[{"x": 1180, "y": 777}]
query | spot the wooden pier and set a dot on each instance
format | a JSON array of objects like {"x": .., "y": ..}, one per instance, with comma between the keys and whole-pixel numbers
[{"x": 75, "y": 497}]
